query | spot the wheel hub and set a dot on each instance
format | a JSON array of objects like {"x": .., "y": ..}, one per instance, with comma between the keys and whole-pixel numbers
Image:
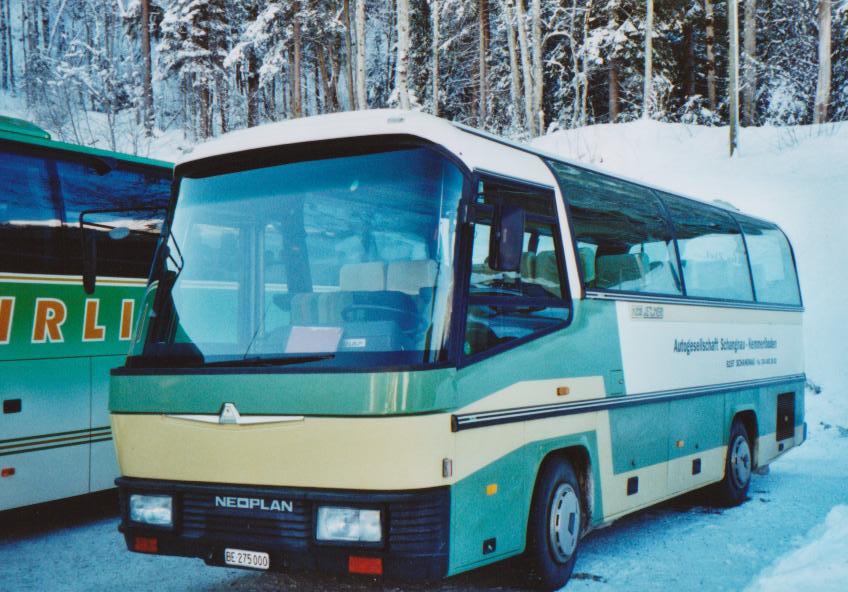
[
  {"x": 564, "y": 527},
  {"x": 740, "y": 461}
]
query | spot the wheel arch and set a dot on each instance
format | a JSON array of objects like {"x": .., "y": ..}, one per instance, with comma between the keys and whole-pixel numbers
[{"x": 585, "y": 467}]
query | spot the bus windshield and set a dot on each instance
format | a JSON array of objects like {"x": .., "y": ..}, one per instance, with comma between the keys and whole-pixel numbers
[{"x": 346, "y": 260}]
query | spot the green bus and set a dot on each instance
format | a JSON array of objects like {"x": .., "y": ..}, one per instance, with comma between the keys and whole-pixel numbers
[
  {"x": 381, "y": 343},
  {"x": 57, "y": 343}
]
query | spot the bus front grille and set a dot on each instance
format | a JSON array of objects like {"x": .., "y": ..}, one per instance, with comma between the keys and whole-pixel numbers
[{"x": 202, "y": 519}]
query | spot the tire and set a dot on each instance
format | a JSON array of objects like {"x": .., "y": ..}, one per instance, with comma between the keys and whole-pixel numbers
[
  {"x": 554, "y": 528},
  {"x": 738, "y": 466}
]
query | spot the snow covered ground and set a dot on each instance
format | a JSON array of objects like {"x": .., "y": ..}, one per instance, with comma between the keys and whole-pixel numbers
[{"x": 791, "y": 533}]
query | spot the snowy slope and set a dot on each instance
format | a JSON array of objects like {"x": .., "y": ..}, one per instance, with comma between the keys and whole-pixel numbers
[{"x": 820, "y": 564}]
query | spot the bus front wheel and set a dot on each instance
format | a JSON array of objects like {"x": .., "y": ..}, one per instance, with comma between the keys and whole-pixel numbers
[
  {"x": 553, "y": 533},
  {"x": 733, "y": 489}
]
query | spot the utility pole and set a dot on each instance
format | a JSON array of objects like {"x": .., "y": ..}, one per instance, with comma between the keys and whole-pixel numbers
[
  {"x": 733, "y": 68},
  {"x": 649, "y": 60},
  {"x": 823, "y": 83}
]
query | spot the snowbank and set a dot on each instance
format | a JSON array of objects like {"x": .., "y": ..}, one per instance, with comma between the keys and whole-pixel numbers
[{"x": 820, "y": 564}]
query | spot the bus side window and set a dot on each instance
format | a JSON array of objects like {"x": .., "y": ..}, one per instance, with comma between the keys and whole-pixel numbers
[
  {"x": 29, "y": 220},
  {"x": 712, "y": 251},
  {"x": 624, "y": 241},
  {"x": 509, "y": 306},
  {"x": 775, "y": 280}
]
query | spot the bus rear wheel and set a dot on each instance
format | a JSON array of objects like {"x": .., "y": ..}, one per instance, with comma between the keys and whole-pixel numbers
[
  {"x": 738, "y": 465},
  {"x": 553, "y": 533}
]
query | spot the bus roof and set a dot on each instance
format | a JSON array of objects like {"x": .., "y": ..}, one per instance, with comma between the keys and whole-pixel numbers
[
  {"x": 478, "y": 149},
  {"x": 13, "y": 125},
  {"x": 19, "y": 130}
]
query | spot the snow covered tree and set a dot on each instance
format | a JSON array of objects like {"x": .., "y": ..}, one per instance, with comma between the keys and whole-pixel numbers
[{"x": 193, "y": 48}]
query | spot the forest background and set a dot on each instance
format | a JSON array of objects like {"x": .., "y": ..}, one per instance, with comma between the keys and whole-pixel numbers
[{"x": 120, "y": 73}]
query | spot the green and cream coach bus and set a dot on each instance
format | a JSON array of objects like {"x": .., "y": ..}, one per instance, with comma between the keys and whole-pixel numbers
[
  {"x": 58, "y": 343},
  {"x": 381, "y": 343}
]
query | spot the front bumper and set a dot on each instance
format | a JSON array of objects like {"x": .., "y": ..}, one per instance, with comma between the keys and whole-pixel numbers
[{"x": 415, "y": 526}]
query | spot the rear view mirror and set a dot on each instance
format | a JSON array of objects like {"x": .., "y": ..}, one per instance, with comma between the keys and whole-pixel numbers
[
  {"x": 119, "y": 233},
  {"x": 507, "y": 239},
  {"x": 89, "y": 231}
]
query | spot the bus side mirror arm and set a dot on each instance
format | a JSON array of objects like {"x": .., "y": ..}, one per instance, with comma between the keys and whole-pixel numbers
[
  {"x": 89, "y": 260},
  {"x": 506, "y": 241}
]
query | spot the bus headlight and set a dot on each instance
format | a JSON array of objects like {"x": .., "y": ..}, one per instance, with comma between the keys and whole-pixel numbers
[
  {"x": 155, "y": 510},
  {"x": 349, "y": 525}
]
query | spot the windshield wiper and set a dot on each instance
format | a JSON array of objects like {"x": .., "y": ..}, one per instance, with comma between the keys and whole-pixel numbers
[{"x": 258, "y": 361}]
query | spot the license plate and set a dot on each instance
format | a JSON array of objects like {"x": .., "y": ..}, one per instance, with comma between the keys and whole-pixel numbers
[{"x": 242, "y": 558}]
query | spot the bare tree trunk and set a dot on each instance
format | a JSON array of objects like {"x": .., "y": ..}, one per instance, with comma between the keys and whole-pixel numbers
[
  {"x": 4, "y": 56},
  {"x": 11, "y": 45},
  {"x": 297, "y": 98},
  {"x": 525, "y": 68},
  {"x": 348, "y": 56},
  {"x": 269, "y": 95},
  {"x": 436, "y": 42},
  {"x": 733, "y": 74},
  {"x": 647, "y": 88},
  {"x": 328, "y": 80},
  {"x": 482, "y": 50},
  {"x": 29, "y": 31},
  {"x": 361, "y": 95},
  {"x": 613, "y": 99},
  {"x": 514, "y": 80},
  {"x": 584, "y": 68},
  {"x": 689, "y": 60},
  {"x": 312, "y": 84},
  {"x": 391, "y": 41},
  {"x": 252, "y": 90},
  {"x": 711, "y": 62},
  {"x": 823, "y": 83},
  {"x": 325, "y": 82},
  {"x": 538, "y": 70},
  {"x": 286, "y": 90},
  {"x": 147, "y": 74},
  {"x": 402, "y": 70},
  {"x": 749, "y": 71},
  {"x": 223, "y": 92},
  {"x": 205, "y": 118},
  {"x": 335, "y": 50},
  {"x": 45, "y": 24}
]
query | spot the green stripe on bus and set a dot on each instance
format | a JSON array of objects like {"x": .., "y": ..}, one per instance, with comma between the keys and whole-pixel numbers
[
  {"x": 79, "y": 437},
  {"x": 92, "y": 441},
  {"x": 56, "y": 434}
]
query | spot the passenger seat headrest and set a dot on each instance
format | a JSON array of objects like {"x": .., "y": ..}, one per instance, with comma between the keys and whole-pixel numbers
[
  {"x": 587, "y": 260},
  {"x": 547, "y": 269},
  {"x": 410, "y": 277},
  {"x": 363, "y": 277}
]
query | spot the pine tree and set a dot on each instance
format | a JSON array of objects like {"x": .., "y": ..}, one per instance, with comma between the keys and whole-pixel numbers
[{"x": 193, "y": 48}]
